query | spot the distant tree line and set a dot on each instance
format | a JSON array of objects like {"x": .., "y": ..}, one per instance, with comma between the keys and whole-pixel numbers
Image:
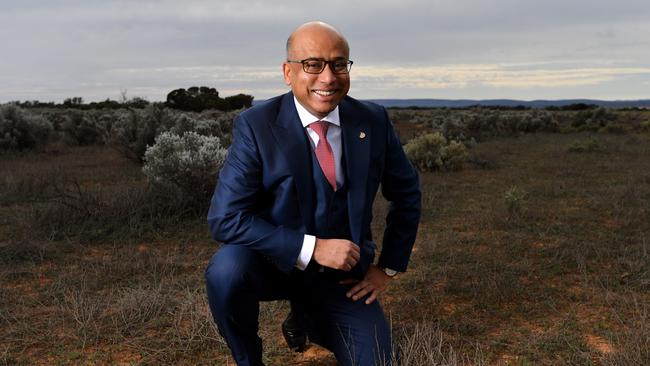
[
  {"x": 197, "y": 99},
  {"x": 568, "y": 107},
  {"x": 78, "y": 103},
  {"x": 194, "y": 99}
]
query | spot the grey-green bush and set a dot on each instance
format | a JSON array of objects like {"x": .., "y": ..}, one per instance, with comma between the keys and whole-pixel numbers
[
  {"x": 479, "y": 123},
  {"x": 134, "y": 130},
  {"x": 189, "y": 162},
  {"x": 586, "y": 146},
  {"x": 21, "y": 129},
  {"x": 84, "y": 127},
  {"x": 432, "y": 151}
]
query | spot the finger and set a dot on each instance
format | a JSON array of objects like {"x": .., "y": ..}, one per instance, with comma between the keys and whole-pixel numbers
[
  {"x": 352, "y": 262},
  {"x": 363, "y": 292},
  {"x": 354, "y": 256},
  {"x": 356, "y": 248},
  {"x": 359, "y": 290},
  {"x": 354, "y": 289},
  {"x": 371, "y": 298},
  {"x": 356, "y": 251}
]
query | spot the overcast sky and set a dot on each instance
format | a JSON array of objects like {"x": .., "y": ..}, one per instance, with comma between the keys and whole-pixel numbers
[{"x": 452, "y": 49}]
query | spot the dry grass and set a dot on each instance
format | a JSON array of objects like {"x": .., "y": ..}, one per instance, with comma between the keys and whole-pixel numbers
[{"x": 559, "y": 275}]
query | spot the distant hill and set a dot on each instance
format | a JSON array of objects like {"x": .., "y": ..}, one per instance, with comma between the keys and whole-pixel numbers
[{"x": 463, "y": 103}]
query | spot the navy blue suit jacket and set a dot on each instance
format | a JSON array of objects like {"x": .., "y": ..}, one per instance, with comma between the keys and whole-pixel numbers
[{"x": 264, "y": 198}]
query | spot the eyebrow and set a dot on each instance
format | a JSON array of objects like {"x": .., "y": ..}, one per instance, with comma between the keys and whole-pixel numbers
[{"x": 324, "y": 59}]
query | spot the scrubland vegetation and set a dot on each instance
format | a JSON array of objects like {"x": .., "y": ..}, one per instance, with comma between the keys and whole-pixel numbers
[{"x": 533, "y": 247}]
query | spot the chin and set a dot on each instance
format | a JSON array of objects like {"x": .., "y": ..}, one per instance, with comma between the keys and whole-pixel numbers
[{"x": 326, "y": 109}]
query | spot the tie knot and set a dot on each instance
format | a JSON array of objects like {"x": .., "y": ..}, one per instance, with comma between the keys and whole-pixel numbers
[{"x": 320, "y": 127}]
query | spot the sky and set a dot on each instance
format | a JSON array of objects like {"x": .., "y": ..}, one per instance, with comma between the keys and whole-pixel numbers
[{"x": 446, "y": 49}]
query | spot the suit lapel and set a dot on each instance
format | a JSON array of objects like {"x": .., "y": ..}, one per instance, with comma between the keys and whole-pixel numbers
[
  {"x": 292, "y": 141},
  {"x": 356, "y": 148}
]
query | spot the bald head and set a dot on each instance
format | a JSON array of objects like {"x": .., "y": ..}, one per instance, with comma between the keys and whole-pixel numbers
[
  {"x": 321, "y": 44},
  {"x": 311, "y": 30}
]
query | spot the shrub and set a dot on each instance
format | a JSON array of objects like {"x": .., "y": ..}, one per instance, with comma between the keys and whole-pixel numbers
[
  {"x": 84, "y": 128},
  {"x": 602, "y": 116},
  {"x": 614, "y": 128},
  {"x": 91, "y": 214},
  {"x": 433, "y": 151},
  {"x": 21, "y": 129},
  {"x": 592, "y": 120},
  {"x": 212, "y": 123},
  {"x": 514, "y": 199},
  {"x": 454, "y": 129},
  {"x": 189, "y": 162},
  {"x": 590, "y": 145},
  {"x": 538, "y": 120},
  {"x": 134, "y": 130}
]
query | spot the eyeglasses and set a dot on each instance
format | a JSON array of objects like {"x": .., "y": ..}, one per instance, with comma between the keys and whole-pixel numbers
[{"x": 316, "y": 65}]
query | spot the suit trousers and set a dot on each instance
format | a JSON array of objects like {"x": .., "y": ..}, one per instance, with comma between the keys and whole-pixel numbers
[{"x": 237, "y": 279}]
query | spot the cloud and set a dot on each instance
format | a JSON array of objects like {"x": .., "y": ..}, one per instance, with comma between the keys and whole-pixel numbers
[
  {"x": 511, "y": 76},
  {"x": 90, "y": 47}
]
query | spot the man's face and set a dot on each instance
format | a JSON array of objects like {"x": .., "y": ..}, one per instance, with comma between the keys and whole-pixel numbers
[{"x": 318, "y": 93}]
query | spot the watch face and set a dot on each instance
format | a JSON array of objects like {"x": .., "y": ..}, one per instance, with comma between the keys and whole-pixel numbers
[{"x": 389, "y": 272}]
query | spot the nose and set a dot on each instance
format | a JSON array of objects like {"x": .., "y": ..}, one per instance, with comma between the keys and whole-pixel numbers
[{"x": 327, "y": 75}]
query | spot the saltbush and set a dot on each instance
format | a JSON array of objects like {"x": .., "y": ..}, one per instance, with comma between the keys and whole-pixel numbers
[
  {"x": 21, "y": 129},
  {"x": 84, "y": 128},
  {"x": 586, "y": 146},
  {"x": 614, "y": 128},
  {"x": 216, "y": 123},
  {"x": 593, "y": 120},
  {"x": 133, "y": 130},
  {"x": 189, "y": 162},
  {"x": 432, "y": 151},
  {"x": 479, "y": 123},
  {"x": 645, "y": 126}
]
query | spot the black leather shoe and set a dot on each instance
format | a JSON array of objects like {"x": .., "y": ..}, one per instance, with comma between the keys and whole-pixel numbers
[{"x": 294, "y": 333}]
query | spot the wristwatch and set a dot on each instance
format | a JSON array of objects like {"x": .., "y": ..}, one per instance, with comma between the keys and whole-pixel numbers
[{"x": 389, "y": 272}]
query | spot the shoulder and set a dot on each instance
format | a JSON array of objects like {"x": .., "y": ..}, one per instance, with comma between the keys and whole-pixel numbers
[
  {"x": 366, "y": 115},
  {"x": 363, "y": 107},
  {"x": 265, "y": 109}
]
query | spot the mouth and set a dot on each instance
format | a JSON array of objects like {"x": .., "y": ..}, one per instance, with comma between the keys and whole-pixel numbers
[{"x": 324, "y": 93}]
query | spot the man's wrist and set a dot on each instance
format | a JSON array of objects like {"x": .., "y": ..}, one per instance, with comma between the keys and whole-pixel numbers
[{"x": 306, "y": 252}]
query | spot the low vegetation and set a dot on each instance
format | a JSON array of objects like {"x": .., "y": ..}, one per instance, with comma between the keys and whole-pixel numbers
[
  {"x": 189, "y": 162},
  {"x": 530, "y": 254},
  {"x": 432, "y": 151}
]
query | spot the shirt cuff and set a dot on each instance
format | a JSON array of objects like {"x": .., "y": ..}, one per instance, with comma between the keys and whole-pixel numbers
[{"x": 308, "y": 245}]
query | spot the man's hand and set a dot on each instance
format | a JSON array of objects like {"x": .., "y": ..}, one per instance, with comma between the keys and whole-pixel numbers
[
  {"x": 336, "y": 253},
  {"x": 374, "y": 283}
]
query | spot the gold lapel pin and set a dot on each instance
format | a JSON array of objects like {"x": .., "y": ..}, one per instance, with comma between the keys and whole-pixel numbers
[{"x": 362, "y": 135}]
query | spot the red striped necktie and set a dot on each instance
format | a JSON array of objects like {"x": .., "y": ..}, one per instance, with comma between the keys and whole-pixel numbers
[{"x": 324, "y": 152}]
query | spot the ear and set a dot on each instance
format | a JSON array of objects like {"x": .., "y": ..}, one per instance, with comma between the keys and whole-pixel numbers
[{"x": 286, "y": 71}]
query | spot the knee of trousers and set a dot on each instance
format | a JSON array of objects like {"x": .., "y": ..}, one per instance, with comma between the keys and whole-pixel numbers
[{"x": 226, "y": 273}]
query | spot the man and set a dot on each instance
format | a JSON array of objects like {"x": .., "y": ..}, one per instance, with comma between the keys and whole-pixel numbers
[{"x": 293, "y": 208}]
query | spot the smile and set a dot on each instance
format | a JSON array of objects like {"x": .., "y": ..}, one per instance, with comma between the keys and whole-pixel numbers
[{"x": 324, "y": 93}]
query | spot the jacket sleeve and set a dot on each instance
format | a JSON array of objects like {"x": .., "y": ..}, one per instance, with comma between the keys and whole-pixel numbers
[
  {"x": 237, "y": 206},
  {"x": 400, "y": 186}
]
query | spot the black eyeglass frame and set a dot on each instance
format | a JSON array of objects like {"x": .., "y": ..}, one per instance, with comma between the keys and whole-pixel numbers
[{"x": 348, "y": 65}]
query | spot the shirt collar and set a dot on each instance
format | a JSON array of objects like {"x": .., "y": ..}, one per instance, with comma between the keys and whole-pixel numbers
[{"x": 307, "y": 118}]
